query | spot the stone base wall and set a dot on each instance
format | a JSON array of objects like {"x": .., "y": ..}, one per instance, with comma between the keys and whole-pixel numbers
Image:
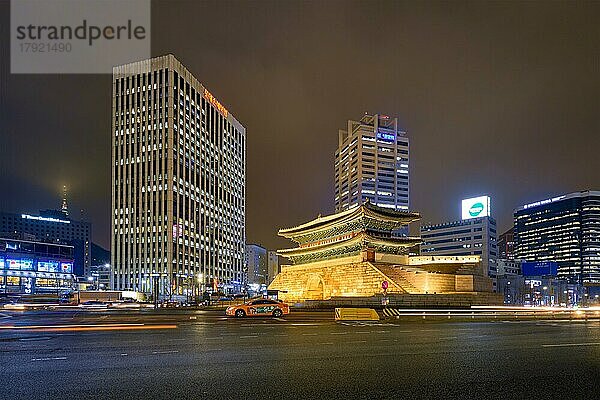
[
  {"x": 326, "y": 280},
  {"x": 411, "y": 301}
]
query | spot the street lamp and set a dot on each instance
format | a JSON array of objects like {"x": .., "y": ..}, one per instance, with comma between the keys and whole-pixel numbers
[{"x": 200, "y": 284}]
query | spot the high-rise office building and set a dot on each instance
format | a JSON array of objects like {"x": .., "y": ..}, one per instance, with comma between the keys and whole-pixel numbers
[
  {"x": 474, "y": 234},
  {"x": 273, "y": 265},
  {"x": 256, "y": 259},
  {"x": 52, "y": 226},
  {"x": 178, "y": 192},
  {"x": 372, "y": 163},
  {"x": 506, "y": 245},
  {"x": 564, "y": 229}
]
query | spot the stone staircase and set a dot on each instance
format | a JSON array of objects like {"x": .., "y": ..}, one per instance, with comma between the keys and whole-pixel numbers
[{"x": 397, "y": 277}]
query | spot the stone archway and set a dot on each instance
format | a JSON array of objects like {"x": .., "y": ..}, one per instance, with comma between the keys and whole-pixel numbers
[{"x": 314, "y": 288}]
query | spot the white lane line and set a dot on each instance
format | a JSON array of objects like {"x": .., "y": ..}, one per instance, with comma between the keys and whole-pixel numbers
[
  {"x": 2, "y": 316},
  {"x": 214, "y": 338},
  {"x": 175, "y": 340},
  {"x": 35, "y": 339},
  {"x": 48, "y": 358},
  {"x": 124, "y": 354},
  {"x": 281, "y": 334},
  {"x": 248, "y": 336},
  {"x": 571, "y": 344},
  {"x": 309, "y": 334},
  {"x": 358, "y": 341},
  {"x": 363, "y": 333},
  {"x": 326, "y": 343},
  {"x": 338, "y": 333},
  {"x": 166, "y": 352}
]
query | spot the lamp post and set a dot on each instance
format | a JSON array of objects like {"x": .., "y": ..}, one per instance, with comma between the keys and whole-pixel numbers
[
  {"x": 545, "y": 295},
  {"x": 200, "y": 284}
]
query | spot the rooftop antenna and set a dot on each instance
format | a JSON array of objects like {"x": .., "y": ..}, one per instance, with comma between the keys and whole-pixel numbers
[{"x": 65, "y": 207}]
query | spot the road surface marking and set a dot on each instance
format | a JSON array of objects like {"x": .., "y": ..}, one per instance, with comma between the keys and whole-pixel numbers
[
  {"x": 358, "y": 341},
  {"x": 166, "y": 352},
  {"x": 309, "y": 334},
  {"x": 248, "y": 336},
  {"x": 326, "y": 343},
  {"x": 338, "y": 333},
  {"x": 571, "y": 344},
  {"x": 35, "y": 339},
  {"x": 176, "y": 340},
  {"x": 48, "y": 358},
  {"x": 123, "y": 354}
]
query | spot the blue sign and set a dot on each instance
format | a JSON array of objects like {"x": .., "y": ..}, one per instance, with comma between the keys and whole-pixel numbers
[
  {"x": 539, "y": 268},
  {"x": 386, "y": 137}
]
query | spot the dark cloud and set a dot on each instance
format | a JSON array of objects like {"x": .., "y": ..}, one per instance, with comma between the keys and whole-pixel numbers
[{"x": 497, "y": 97}]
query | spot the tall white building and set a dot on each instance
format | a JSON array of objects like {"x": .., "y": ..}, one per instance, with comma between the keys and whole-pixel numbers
[
  {"x": 178, "y": 183},
  {"x": 372, "y": 162}
]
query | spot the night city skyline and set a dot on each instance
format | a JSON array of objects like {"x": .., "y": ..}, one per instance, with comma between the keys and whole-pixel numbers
[
  {"x": 304, "y": 199},
  {"x": 485, "y": 107}
]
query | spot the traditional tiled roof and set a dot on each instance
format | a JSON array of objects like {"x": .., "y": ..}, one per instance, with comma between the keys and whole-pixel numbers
[{"x": 391, "y": 218}]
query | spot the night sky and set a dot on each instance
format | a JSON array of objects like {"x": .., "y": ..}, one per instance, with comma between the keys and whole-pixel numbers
[{"x": 497, "y": 98}]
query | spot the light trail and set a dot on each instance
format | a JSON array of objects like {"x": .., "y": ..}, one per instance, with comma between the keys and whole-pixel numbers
[{"x": 83, "y": 328}]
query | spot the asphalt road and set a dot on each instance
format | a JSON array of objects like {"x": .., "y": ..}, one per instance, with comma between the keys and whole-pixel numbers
[{"x": 202, "y": 355}]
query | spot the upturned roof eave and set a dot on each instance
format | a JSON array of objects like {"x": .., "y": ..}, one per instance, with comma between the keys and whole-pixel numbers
[
  {"x": 403, "y": 242},
  {"x": 322, "y": 223}
]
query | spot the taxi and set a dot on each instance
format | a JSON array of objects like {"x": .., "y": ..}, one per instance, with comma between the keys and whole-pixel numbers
[{"x": 259, "y": 307}]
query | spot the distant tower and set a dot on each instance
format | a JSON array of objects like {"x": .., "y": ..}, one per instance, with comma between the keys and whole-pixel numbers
[
  {"x": 65, "y": 207},
  {"x": 371, "y": 163}
]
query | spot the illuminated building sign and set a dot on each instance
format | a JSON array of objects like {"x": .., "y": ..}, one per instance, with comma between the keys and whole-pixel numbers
[
  {"x": 66, "y": 267},
  {"x": 177, "y": 231},
  {"x": 212, "y": 100},
  {"x": 386, "y": 137},
  {"x": 23, "y": 264},
  {"x": 539, "y": 268},
  {"x": 46, "y": 219},
  {"x": 48, "y": 266},
  {"x": 476, "y": 207},
  {"x": 539, "y": 203}
]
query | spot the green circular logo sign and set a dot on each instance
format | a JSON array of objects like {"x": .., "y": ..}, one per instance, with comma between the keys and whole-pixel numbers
[{"x": 476, "y": 209}]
